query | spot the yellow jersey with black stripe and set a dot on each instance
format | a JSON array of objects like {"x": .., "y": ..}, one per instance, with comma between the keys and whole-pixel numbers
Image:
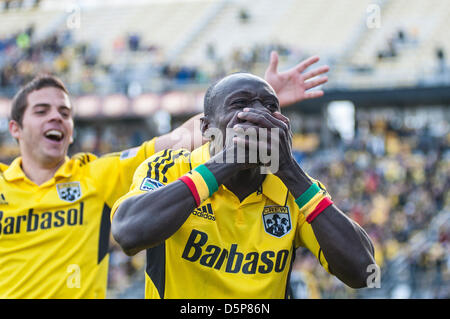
[
  {"x": 226, "y": 248},
  {"x": 54, "y": 237}
]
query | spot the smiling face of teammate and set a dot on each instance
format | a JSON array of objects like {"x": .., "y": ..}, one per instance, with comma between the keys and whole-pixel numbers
[{"x": 44, "y": 127}]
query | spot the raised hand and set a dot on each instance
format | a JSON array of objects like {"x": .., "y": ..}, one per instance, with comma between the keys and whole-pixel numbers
[{"x": 292, "y": 85}]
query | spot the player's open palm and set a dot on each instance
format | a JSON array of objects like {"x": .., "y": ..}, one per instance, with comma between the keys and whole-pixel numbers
[{"x": 292, "y": 85}]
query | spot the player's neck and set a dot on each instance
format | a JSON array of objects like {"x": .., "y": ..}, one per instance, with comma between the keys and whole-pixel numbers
[
  {"x": 39, "y": 172},
  {"x": 245, "y": 183}
]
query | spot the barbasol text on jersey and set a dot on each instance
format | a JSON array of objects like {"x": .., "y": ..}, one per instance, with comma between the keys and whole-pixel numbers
[
  {"x": 33, "y": 221},
  {"x": 231, "y": 258}
]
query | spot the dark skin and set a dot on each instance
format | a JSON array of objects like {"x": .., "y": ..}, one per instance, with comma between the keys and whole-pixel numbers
[{"x": 242, "y": 101}]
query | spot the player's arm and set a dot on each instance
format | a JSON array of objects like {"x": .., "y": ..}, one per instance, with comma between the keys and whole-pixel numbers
[
  {"x": 147, "y": 219},
  {"x": 291, "y": 86},
  {"x": 345, "y": 245},
  {"x": 187, "y": 136}
]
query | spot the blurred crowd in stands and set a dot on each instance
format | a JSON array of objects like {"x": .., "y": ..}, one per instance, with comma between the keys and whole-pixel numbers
[
  {"x": 394, "y": 182},
  {"x": 22, "y": 57},
  {"x": 6, "y": 5},
  {"x": 79, "y": 64},
  {"x": 397, "y": 41}
]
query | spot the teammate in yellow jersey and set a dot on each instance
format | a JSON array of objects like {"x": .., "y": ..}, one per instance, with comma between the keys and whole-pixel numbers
[
  {"x": 54, "y": 210},
  {"x": 217, "y": 226}
]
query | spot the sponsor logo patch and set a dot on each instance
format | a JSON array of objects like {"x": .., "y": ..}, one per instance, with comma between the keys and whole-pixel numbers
[
  {"x": 129, "y": 153},
  {"x": 205, "y": 212},
  {"x": 36, "y": 221},
  {"x": 233, "y": 259},
  {"x": 149, "y": 184},
  {"x": 69, "y": 192},
  {"x": 277, "y": 220}
]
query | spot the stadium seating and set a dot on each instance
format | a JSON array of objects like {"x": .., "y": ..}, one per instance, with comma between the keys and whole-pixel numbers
[
  {"x": 210, "y": 36},
  {"x": 158, "y": 23},
  {"x": 422, "y": 25},
  {"x": 228, "y": 31},
  {"x": 14, "y": 21}
]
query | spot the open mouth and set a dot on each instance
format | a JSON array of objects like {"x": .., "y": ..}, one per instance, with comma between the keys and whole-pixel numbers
[{"x": 54, "y": 135}]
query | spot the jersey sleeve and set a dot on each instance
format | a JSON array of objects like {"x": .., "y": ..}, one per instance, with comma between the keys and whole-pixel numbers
[
  {"x": 114, "y": 172},
  {"x": 157, "y": 171},
  {"x": 305, "y": 236}
]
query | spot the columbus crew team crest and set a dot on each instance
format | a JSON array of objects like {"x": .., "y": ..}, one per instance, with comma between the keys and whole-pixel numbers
[
  {"x": 69, "y": 192},
  {"x": 277, "y": 220}
]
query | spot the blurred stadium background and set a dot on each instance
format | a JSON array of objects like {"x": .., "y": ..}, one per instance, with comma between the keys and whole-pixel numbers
[{"x": 378, "y": 139}]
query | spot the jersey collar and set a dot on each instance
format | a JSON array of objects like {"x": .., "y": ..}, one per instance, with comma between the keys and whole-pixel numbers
[
  {"x": 66, "y": 169},
  {"x": 200, "y": 155},
  {"x": 272, "y": 187},
  {"x": 15, "y": 172}
]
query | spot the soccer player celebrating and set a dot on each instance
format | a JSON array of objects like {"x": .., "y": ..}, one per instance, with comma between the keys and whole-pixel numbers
[
  {"x": 55, "y": 210},
  {"x": 218, "y": 228}
]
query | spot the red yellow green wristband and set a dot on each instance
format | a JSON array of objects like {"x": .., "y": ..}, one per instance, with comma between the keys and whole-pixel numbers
[
  {"x": 324, "y": 203},
  {"x": 190, "y": 184},
  {"x": 304, "y": 198},
  {"x": 208, "y": 177},
  {"x": 201, "y": 182},
  {"x": 312, "y": 202}
]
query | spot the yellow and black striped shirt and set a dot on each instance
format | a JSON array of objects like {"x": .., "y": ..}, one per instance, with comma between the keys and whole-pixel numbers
[{"x": 226, "y": 248}]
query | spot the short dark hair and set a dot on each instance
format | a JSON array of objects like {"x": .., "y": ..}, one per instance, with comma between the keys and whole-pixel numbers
[
  {"x": 208, "y": 100},
  {"x": 19, "y": 102},
  {"x": 208, "y": 105}
]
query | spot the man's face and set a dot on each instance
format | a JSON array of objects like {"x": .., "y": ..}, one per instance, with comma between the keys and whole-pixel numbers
[
  {"x": 236, "y": 92},
  {"x": 47, "y": 126}
]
